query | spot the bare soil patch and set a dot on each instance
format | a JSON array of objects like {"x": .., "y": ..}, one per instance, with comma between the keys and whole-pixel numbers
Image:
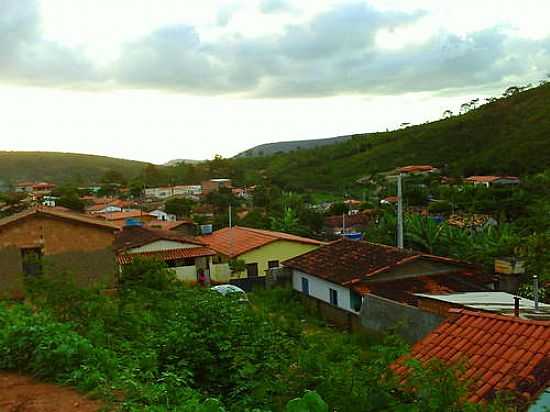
[{"x": 24, "y": 394}]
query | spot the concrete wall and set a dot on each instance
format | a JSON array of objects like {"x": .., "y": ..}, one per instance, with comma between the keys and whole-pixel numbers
[
  {"x": 319, "y": 289},
  {"x": 333, "y": 315},
  {"x": 379, "y": 315},
  {"x": 279, "y": 250}
]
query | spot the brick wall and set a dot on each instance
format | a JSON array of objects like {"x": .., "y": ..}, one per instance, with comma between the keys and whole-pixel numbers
[
  {"x": 55, "y": 235},
  {"x": 81, "y": 250}
]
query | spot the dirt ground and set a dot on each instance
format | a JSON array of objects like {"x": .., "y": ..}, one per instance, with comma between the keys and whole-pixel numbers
[{"x": 23, "y": 394}]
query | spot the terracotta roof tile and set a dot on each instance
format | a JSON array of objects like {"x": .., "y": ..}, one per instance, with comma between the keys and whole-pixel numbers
[
  {"x": 135, "y": 236},
  {"x": 237, "y": 240},
  {"x": 515, "y": 358},
  {"x": 166, "y": 255}
]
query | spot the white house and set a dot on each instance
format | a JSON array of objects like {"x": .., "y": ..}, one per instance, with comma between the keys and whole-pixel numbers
[
  {"x": 163, "y": 216},
  {"x": 342, "y": 273},
  {"x": 165, "y": 192},
  {"x": 184, "y": 254}
]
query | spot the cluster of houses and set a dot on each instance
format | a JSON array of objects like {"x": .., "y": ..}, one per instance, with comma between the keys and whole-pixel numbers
[{"x": 447, "y": 308}]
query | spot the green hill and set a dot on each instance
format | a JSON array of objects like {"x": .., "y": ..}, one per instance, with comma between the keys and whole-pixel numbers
[
  {"x": 62, "y": 167},
  {"x": 509, "y": 136}
]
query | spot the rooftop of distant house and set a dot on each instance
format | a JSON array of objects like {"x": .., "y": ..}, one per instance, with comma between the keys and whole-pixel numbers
[
  {"x": 490, "y": 179},
  {"x": 136, "y": 236},
  {"x": 351, "y": 220},
  {"x": 57, "y": 213},
  {"x": 237, "y": 240},
  {"x": 347, "y": 262},
  {"x": 416, "y": 168},
  {"x": 498, "y": 353}
]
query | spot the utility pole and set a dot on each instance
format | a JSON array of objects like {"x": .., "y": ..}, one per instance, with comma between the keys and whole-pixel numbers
[
  {"x": 400, "y": 211},
  {"x": 536, "y": 291}
]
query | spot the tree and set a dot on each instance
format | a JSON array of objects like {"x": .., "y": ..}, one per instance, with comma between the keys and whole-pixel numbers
[
  {"x": 447, "y": 114},
  {"x": 288, "y": 223},
  {"x": 71, "y": 201},
  {"x": 181, "y": 207}
]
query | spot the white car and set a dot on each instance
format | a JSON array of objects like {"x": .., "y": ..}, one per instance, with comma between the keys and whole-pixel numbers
[{"x": 228, "y": 289}]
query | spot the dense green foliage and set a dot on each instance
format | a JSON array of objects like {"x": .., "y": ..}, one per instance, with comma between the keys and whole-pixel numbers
[
  {"x": 161, "y": 346},
  {"x": 62, "y": 167}
]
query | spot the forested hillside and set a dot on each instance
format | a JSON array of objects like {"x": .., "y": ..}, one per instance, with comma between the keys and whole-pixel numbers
[
  {"x": 508, "y": 136},
  {"x": 62, "y": 167}
]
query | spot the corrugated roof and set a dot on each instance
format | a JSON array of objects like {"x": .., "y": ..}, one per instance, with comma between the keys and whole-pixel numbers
[
  {"x": 501, "y": 353},
  {"x": 55, "y": 212},
  {"x": 493, "y": 301},
  {"x": 166, "y": 255},
  {"x": 238, "y": 240}
]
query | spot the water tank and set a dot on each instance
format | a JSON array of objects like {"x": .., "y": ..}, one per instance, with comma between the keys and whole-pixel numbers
[{"x": 133, "y": 223}]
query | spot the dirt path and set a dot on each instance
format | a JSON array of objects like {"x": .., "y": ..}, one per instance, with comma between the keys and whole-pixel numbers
[{"x": 23, "y": 394}]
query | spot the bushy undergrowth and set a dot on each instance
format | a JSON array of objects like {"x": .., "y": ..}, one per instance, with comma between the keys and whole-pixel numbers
[{"x": 160, "y": 346}]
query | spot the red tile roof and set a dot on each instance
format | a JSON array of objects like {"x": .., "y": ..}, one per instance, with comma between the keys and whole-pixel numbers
[
  {"x": 489, "y": 179},
  {"x": 123, "y": 215},
  {"x": 237, "y": 240},
  {"x": 168, "y": 225},
  {"x": 166, "y": 255},
  {"x": 403, "y": 290},
  {"x": 500, "y": 353},
  {"x": 348, "y": 261},
  {"x": 416, "y": 168},
  {"x": 136, "y": 236},
  {"x": 61, "y": 214}
]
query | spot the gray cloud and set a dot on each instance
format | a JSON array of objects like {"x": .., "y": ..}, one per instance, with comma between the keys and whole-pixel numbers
[{"x": 335, "y": 53}]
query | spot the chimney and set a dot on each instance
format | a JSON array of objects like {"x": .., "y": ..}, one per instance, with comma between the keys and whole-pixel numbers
[{"x": 516, "y": 306}]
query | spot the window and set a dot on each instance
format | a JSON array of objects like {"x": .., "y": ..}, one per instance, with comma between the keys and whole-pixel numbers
[
  {"x": 252, "y": 270},
  {"x": 272, "y": 264},
  {"x": 333, "y": 294},
  {"x": 356, "y": 301},
  {"x": 32, "y": 261},
  {"x": 305, "y": 286}
]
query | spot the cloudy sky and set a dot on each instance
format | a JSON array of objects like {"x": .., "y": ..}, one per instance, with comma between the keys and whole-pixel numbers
[{"x": 156, "y": 80}]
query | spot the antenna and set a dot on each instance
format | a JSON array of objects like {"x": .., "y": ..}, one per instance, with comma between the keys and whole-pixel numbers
[{"x": 400, "y": 211}]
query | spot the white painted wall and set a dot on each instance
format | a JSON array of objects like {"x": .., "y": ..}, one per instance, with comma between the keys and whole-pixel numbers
[
  {"x": 319, "y": 289},
  {"x": 161, "y": 245},
  {"x": 186, "y": 273}
]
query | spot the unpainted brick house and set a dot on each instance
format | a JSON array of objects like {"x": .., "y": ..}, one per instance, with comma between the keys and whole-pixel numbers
[{"x": 47, "y": 240}]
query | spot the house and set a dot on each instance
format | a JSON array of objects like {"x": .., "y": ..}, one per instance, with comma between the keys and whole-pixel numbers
[
  {"x": 186, "y": 226},
  {"x": 43, "y": 188},
  {"x": 418, "y": 169},
  {"x": 186, "y": 255},
  {"x": 214, "y": 185},
  {"x": 345, "y": 275},
  {"x": 471, "y": 221},
  {"x": 120, "y": 218},
  {"x": 357, "y": 222},
  {"x": 43, "y": 237},
  {"x": 163, "y": 216},
  {"x": 165, "y": 192},
  {"x": 24, "y": 187},
  {"x": 390, "y": 200},
  {"x": 488, "y": 181},
  {"x": 260, "y": 250},
  {"x": 497, "y": 354}
]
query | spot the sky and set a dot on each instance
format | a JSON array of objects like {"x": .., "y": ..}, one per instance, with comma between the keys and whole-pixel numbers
[{"x": 156, "y": 80}]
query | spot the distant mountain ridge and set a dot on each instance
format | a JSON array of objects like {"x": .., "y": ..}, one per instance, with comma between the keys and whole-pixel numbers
[{"x": 268, "y": 149}]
